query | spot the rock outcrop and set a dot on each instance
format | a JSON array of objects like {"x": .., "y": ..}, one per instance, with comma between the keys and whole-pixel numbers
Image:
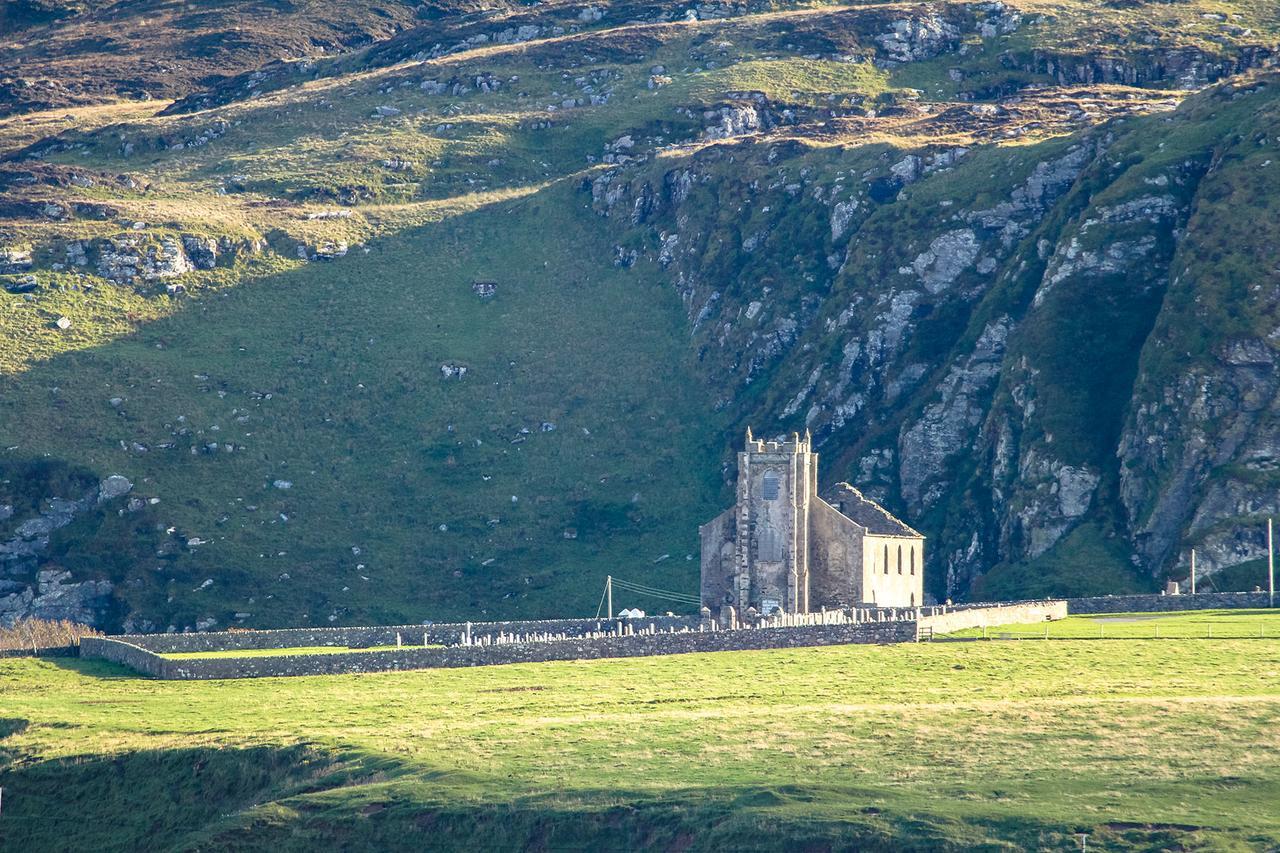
[
  {"x": 31, "y": 588},
  {"x": 1006, "y": 363}
]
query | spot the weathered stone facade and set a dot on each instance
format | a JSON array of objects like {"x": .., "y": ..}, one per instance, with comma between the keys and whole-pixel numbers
[{"x": 783, "y": 548}]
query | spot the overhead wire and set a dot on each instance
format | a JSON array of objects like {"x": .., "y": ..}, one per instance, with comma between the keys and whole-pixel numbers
[{"x": 656, "y": 592}]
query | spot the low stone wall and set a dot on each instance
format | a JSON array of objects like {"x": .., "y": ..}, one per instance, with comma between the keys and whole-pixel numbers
[
  {"x": 1001, "y": 614},
  {"x": 1157, "y": 603},
  {"x": 444, "y": 649},
  {"x": 134, "y": 657},
  {"x": 383, "y": 635},
  {"x": 637, "y": 645},
  {"x": 41, "y": 652}
]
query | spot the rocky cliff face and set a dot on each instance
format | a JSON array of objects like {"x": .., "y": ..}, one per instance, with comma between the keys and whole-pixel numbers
[{"x": 984, "y": 340}]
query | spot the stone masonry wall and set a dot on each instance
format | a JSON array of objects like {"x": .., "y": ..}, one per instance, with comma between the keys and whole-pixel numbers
[
  {"x": 835, "y": 558},
  {"x": 1157, "y": 603},
  {"x": 638, "y": 645},
  {"x": 41, "y": 652},
  {"x": 1005, "y": 614},
  {"x": 121, "y": 652},
  {"x": 139, "y": 652}
]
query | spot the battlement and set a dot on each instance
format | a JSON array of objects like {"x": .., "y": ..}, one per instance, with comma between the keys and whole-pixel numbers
[{"x": 796, "y": 444}]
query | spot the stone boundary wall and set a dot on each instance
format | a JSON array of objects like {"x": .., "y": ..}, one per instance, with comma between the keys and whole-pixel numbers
[
  {"x": 637, "y": 645},
  {"x": 41, "y": 652},
  {"x": 1157, "y": 603},
  {"x": 140, "y": 652},
  {"x": 383, "y": 635},
  {"x": 1003, "y": 614},
  {"x": 134, "y": 657}
]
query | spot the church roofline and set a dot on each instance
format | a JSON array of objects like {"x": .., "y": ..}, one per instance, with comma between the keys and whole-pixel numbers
[{"x": 868, "y": 514}]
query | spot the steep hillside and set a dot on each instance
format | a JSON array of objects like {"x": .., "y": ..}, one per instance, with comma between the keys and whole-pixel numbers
[
  {"x": 991, "y": 338},
  {"x": 466, "y": 319}
]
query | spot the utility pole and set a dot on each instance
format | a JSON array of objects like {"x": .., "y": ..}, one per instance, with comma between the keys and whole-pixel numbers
[
  {"x": 1271, "y": 569},
  {"x": 608, "y": 592},
  {"x": 1193, "y": 571}
]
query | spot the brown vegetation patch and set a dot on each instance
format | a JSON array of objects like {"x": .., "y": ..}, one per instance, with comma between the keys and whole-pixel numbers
[{"x": 36, "y": 634}]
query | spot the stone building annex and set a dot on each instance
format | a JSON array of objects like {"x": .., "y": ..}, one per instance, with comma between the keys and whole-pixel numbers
[{"x": 784, "y": 548}]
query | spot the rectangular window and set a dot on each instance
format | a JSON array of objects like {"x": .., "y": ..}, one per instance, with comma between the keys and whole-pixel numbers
[{"x": 769, "y": 486}]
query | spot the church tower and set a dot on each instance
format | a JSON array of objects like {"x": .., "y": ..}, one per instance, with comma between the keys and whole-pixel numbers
[
  {"x": 777, "y": 481},
  {"x": 783, "y": 547}
]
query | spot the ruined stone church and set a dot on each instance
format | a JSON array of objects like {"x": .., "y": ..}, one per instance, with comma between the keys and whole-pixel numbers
[{"x": 781, "y": 547}]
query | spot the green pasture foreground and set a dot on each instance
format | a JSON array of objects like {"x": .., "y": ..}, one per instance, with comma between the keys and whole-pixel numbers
[
  {"x": 974, "y": 746},
  {"x": 1197, "y": 624}
]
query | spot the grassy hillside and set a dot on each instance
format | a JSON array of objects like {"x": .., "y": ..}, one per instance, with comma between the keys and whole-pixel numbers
[
  {"x": 1144, "y": 745},
  {"x": 412, "y": 494},
  {"x": 889, "y": 223}
]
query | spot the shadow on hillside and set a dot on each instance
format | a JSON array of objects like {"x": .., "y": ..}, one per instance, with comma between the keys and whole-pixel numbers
[
  {"x": 150, "y": 800},
  {"x": 340, "y": 374},
  {"x": 10, "y": 726},
  {"x": 301, "y": 798},
  {"x": 93, "y": 668}
]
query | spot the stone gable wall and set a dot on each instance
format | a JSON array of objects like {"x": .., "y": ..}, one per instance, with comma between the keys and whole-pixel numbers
[
  {"x": 835, "y": 558},
  {"x": 719, "y": 559}
]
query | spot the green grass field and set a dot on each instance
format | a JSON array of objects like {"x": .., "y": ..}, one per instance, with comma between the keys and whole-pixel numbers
[{"x": 976, "y": 746}]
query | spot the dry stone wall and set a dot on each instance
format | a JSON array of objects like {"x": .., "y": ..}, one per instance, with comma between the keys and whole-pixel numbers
[
  {"x": 958, "y": 619},
  {"x": 1159, "y": 603},
  {"x": 585, "y": 648},
  {"x": 41, "y": 652},
  {"x": 579, "y": 639},
  {"x": 121, "y": 652}
]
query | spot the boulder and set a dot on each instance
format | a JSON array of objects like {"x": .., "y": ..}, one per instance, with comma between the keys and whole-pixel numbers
[{"x": 113, "y": 487}]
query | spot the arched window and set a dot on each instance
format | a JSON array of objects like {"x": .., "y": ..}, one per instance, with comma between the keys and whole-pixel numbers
[
  {"x": 899, "y": 559},
  {"x": 886, "y": 559},
  {"x": 769, "y": 547},
  {"x": 913, "y": 560},
  {"x": 769, "y": 486}
]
